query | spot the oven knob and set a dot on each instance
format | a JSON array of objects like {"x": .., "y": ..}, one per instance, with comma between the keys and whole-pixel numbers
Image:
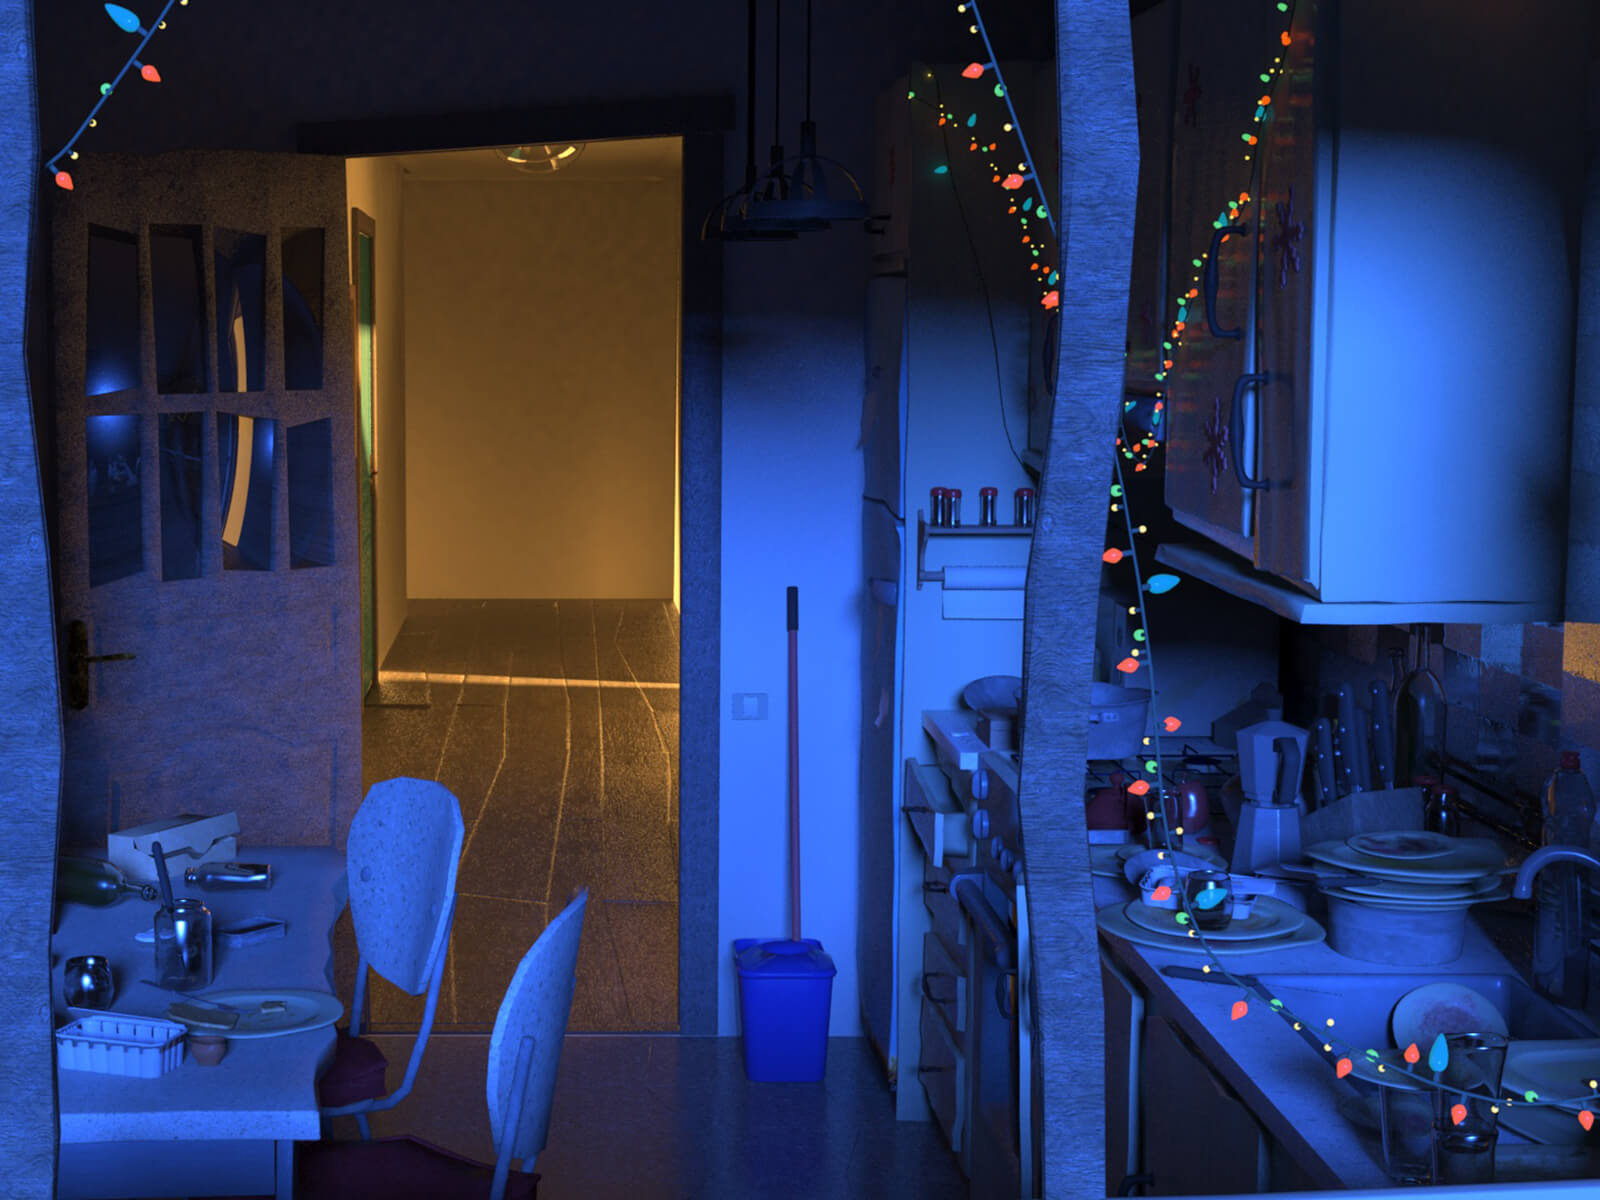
[
  {"x": 1007, "y": 859},
  {"x": 996, "y": 847},
  {"x": 980, "y": 784},
  {"x": 980, "y": 823}
]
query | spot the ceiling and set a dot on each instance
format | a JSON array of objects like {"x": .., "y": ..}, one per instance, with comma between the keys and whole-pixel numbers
[{"x": 629, "y": 160}]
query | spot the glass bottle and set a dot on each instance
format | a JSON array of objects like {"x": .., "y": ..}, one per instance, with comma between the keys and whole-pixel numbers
[
  {"x": 1561, "y": 927},
  {"x": 95, "y": 881},
  {"x": 1419, "y": 716}
]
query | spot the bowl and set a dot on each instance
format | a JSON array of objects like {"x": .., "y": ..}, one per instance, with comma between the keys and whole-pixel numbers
[{"x": 207, "y": 1049}]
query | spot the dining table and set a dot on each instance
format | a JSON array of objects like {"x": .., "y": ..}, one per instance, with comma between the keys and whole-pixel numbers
[{"x": 197, "y": 1130}]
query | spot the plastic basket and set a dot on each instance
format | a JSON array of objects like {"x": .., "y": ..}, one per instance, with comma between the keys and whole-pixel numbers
[{"x": 116, "y": 1044}]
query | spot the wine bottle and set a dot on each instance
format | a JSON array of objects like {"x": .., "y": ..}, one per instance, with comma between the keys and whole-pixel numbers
[{"x": 94, "y": 881}]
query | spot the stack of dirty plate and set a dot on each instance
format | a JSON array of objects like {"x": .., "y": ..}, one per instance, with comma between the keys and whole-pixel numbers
[{"x": 1402, "y": 896}]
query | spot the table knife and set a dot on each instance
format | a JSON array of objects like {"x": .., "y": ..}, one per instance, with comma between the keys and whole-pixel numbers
[
  {"x": 1322, "y": 732},
  {"x": 1349, "y": 781},
  {"x": 1382, "y": 733}
]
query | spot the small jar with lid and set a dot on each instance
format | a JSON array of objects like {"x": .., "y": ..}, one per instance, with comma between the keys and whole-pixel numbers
[
  {"x": 986, "y": 505},
  {"x": 938, "y": 507},
  {"x": 1024, "y": 506},
  {"x": 954, "y": 514}
]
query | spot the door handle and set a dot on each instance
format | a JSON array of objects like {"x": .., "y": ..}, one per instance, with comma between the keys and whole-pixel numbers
[
  {"x": 1211, "y": 280},
  {"x": 1244, "y": 384},
  {"x": 78, "y": 660}
]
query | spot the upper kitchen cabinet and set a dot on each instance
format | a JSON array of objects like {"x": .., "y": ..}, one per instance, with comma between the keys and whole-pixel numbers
[{"x": 1371, "y": 403}]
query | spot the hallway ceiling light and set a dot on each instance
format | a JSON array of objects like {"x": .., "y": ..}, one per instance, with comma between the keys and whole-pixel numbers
[{"x": 543, "y": 158}]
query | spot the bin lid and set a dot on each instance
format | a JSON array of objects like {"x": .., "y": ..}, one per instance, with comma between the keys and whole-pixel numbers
[{"x": 780, "y": 958}]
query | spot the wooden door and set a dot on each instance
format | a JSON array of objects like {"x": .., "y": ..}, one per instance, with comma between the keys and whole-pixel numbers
[{"x": 206, "y": 549}]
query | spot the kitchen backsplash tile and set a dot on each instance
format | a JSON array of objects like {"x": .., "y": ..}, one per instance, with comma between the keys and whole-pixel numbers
[{"x": 1512, "y": 708}]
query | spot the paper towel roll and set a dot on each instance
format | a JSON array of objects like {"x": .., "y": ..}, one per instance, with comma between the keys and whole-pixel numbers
[{"x": 969, "y": 579}]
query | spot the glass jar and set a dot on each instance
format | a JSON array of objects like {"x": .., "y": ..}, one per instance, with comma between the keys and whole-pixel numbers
[
  {"x": 986, "y": 505},
  {"x": 183, "y": 945},
  {"x": 953, "y": 501},
  {"x": 1023, "y": 501}
]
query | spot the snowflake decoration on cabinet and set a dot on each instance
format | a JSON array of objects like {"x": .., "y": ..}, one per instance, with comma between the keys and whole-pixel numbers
[
  {"x": 1216, "y": 441},
  {"x": 1287, "y": 240}
]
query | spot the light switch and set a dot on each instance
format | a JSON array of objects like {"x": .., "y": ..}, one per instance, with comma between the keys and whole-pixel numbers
[{"x": 749, "y": 706}]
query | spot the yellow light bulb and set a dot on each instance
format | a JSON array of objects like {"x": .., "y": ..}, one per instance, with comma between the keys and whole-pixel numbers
[
  {"x": 1327, "y": 1048},
  {"x": 1330, "y": 1022}
]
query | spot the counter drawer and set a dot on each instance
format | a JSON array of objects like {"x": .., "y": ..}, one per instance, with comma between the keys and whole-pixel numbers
[
  {"x": 944, "y": 984},
  {"x": 943, "y": 1071},
  {"x": 948, "y": 921},
  {"x": 942, "y": 826}
]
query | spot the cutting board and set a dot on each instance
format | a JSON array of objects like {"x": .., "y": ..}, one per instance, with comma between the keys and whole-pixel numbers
[{"x": 1363, "y": 812}]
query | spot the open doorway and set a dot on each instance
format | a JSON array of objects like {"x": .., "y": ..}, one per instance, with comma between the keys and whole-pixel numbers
[{"x": 518, "y": 431}]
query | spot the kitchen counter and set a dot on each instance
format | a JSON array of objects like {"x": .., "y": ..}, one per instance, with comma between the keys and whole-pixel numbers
[{"x": 1289, "y": 1088}]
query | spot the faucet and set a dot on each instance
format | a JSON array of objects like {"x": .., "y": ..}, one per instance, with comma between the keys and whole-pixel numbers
[{"x": 1541, "y": 858}]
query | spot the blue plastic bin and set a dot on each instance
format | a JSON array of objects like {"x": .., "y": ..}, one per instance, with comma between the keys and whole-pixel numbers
[{"x": 785, "y": 991}]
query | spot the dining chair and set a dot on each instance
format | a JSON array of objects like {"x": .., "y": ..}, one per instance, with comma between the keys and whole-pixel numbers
[
  {"x": 524, "y": 1051},
  {"x": 401, "y": 859}
]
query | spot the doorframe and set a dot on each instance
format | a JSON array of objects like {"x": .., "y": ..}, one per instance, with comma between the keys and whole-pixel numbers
[
  {"x": 701, "y": 121},
  {"x": 363, "y": 226}
]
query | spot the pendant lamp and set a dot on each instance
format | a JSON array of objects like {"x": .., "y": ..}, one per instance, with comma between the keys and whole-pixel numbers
[{"x": 543, "y": 158}]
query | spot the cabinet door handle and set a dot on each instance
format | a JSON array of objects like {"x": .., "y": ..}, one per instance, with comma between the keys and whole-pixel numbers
[
  {"x": 1244, "y": 384},
  {"x": 1002, "y": 994},
  {"x": 1211, "y": 281}
]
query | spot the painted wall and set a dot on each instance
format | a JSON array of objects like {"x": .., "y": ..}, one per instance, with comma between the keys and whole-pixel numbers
[
  {"x": 373, "y": 186},
  {"x": 793, "y": 353},
  {"x": 541, "y": 384}
]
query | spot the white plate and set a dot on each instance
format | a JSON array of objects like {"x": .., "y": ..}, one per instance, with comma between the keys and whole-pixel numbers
[
  {"x": 1269, "y": 918},
  {"x": 1114, "y": 920},
  {"x": 1395, "y": 889},
  {"x": 1497, "y": 891},
  {"x": 306, "y": 1010},
  {"x": 1469, "y": 859},
  {"x": 1136, "y": 864},
  {"x": 1404, "y": 844},
  {"x": 1423, "y": 1013}
]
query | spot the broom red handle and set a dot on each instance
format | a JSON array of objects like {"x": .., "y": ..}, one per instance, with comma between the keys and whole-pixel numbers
[{"x": 794, "y": 764}]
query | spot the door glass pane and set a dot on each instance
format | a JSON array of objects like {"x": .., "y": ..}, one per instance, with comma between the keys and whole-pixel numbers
[
  {"x": 240, "y": 260},
  {"x": 302, "y": 308},
  {"x": 112, "y": 336},
  {"x": 116, "y": 524},
  {"x": 177, "y": 284},
  {"x": 245, "y": 446},
  {"x": 311, "y": 494},
  {"x": 181, "y": 439}
]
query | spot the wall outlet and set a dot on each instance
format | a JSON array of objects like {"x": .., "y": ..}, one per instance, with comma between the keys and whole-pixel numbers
[{"x": 749, "y": 706}]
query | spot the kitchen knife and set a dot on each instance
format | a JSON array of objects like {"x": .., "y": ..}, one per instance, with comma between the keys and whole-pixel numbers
[
  {"x": 1322, "y": 732},
  {"x": 1361, "y": 734},
  {"x": 1382, "y": 732},
  {"x": 1349, "y": 781}
]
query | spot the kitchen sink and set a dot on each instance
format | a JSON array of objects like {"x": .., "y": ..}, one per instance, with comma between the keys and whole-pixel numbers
[{"x": 1360, "y": 1004}]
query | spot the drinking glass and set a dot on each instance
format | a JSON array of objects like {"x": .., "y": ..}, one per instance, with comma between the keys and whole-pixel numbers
[
  {"x": 183, "y": 945},
  {"x": 1406, "y": 1118},
  {"x": 1463, "y": 1149},
  {"x": 1210, "y": 899},
  {"x": 88, "y": 982}
]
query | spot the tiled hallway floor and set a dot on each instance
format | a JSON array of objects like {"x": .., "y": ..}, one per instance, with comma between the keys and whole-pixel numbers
[
  {"x": 556, "y": 725},
  {"x": 673, "y": 1118}
]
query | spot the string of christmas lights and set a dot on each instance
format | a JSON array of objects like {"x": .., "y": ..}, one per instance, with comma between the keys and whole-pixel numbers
[
  {"x": 1137, "y": 450},
  {"x": 128, "y": 22}
]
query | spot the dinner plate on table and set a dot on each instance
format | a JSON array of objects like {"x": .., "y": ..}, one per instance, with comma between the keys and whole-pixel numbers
[
  {"x": 1114, "y": 919},
  {"x": 303, "y": 1010},
  {"x": 1402, "y": 844},
  {"x": 1468, "y": 860},
  {"x": 1268, "y": 918}
]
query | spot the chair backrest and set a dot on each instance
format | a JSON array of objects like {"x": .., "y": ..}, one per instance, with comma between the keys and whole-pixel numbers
[
  {"x": 537, "y": 1003},
  {"x": 402, "y": 854}
]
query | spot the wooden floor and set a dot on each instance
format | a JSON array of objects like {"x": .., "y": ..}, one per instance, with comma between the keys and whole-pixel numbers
[{"x": 556, "y": 725}]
